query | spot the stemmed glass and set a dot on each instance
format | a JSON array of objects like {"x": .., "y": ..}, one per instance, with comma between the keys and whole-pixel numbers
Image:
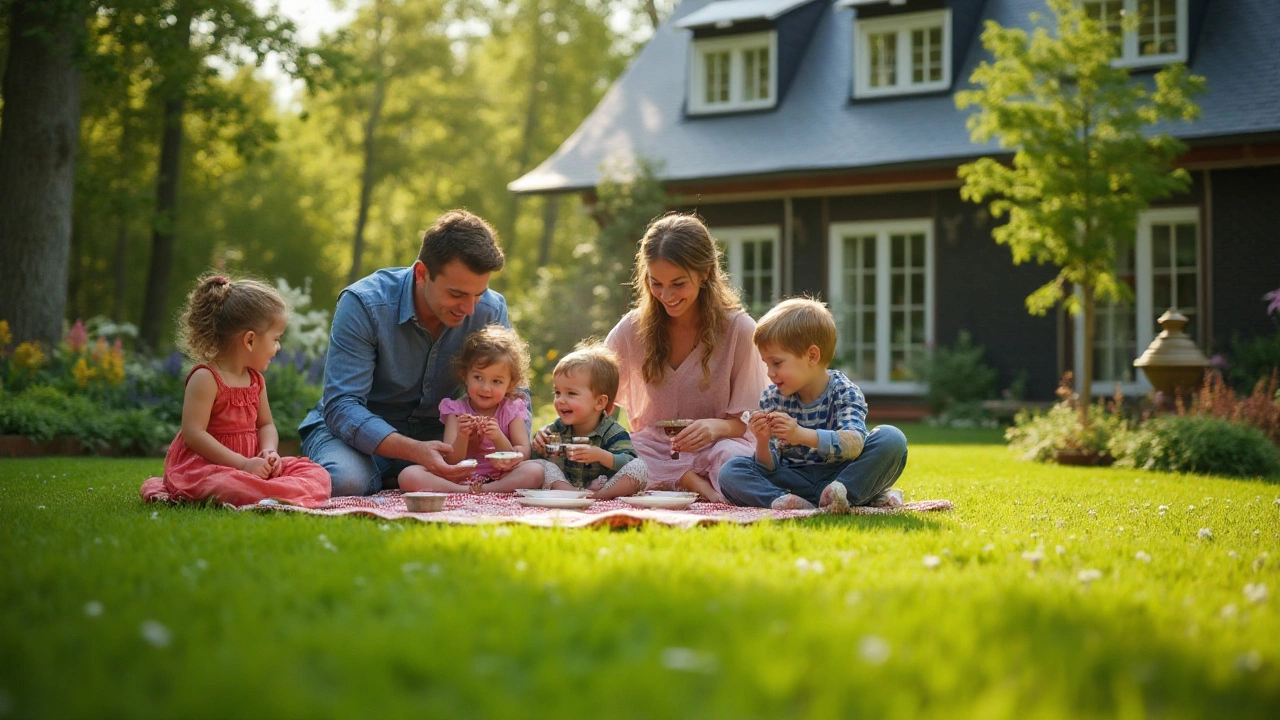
[{"x": 672, "y": 428}]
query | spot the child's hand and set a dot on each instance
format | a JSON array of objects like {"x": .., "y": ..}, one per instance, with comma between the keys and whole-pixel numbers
[
  {"x": 540, "y": 440},
  {"x": 583, "y": 453},
  {"x": 465, "y": 423},
  {"x": 490, "y": 427},
  {"x": 758, "y": 424},
  {"x": 257, "y": 466},
  {"x": 784, "y": 427},
  {"x": 273, "y": 461}
]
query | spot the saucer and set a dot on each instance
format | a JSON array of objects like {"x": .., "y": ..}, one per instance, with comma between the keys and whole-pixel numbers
[
  {"x": 661, "y": 501},
  {"x": 562, "y": 503},
  {"x": 526, "y": 492},
  {"x": 503, "y": 455}
]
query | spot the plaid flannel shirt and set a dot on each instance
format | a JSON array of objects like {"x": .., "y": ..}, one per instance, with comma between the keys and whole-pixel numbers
[
  {"x": 609, "y": 435},
  {"x": 840, "y": 407}
]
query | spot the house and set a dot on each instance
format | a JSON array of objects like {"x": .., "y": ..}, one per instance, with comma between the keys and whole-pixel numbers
[{"x": 820, "y": 141}]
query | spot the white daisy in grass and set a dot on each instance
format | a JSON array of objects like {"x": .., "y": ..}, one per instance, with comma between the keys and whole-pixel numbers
[
  {"x": 1035, "y": 557},
  {"x": 874, "y": 649},
  {"x": 1142, "y": 557},
  {"x": 1061, "y": 550},
  {"x": 1256, "y": 593},
  {"x": 1162, "y": 509},
  {"x": 155, "y": 633},
  {"x": 1205, "y": 534},
  {"x": 1229, "y": 611},
  {"x": 326, "y": 544},
  {"x": 931, "y": 561},
  {"x": 1088, "y": 576}
]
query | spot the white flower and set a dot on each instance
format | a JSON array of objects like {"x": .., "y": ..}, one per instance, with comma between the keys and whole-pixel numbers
[
  {"x": 873, "y": 649},
  {"x": 521, "y": 566},
  {"x": 1228, "y": 611},
  {"x": 989, "y": 547},
  {"x": 1163, "y": 509},
  {"x": 1256, "y": 593},
  {"x": 324, "y": 543},
  {"x": 93, "y": 608},
  {"x": 682, "y": 659},
  {"x": 1093, "y": 513},
  {"x": 1191, "y": 508},
  {"x": 1035, "y": 557},
  {"x": 1142, "y": 557},
  {"x": 805, "y": 565},
  {"x": 1060, "y": 550},
  {"x": 155, "y": 633},
  {"x": 1088, "y": 576},
  {"x": 931, "y": 561},
  {"x": 1205, "y": 534}
]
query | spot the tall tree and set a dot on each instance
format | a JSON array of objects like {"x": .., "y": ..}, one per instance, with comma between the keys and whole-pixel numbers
[
  {"x": 39, "y": 135},
  {"x": 188, "y": 40},
  {"x": 1084, "y": 164}
]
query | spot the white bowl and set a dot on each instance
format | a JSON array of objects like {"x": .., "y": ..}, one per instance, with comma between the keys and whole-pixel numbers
[{"x": 424, "y": 501}]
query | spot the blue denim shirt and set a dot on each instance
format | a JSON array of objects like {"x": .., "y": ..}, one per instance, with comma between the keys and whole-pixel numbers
[{"x": 385, "y": 373}]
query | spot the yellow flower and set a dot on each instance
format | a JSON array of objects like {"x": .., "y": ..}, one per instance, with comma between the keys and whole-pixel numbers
[
  {"x": 82, "y": 372},
  {"x": 5, "y": 336},
  {"x": 28, "y": 356},
  {"x": 552, "y": 354},
  {"x": 112, "y": 365}
]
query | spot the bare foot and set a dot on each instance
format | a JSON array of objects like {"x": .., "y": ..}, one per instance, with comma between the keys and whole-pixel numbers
[
  {"x": 791, "y": 502},
  {"x": 835, "y": 498},
  {"x": 693, "y": 482}
]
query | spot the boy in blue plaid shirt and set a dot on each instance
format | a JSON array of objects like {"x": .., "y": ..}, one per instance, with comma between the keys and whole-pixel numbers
[
  {"x": 585, "y": 383},
  {"x": 812, "y": 444}
]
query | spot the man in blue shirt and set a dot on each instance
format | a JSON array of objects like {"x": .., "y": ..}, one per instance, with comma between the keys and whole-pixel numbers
[{"x": 391, "y": 348}]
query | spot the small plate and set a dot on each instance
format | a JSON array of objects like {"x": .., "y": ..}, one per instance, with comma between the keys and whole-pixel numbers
[
  {"x": 660, "y": 502},
  {"x": 469, "y": 462},
  {"x": 672, "y": 494},
  {"x": 503, "y": 455},
  {"x": 563, "y": 503},
  {"x": 527, "y": 492}
]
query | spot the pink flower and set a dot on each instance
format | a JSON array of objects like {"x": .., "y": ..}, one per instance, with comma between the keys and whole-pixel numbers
[
  {"x": 1273, "y": 304},
  {"x": 78, "y": 338}
]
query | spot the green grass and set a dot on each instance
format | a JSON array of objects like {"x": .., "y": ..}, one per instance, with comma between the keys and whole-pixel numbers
[{"x": 285, "y": 615}]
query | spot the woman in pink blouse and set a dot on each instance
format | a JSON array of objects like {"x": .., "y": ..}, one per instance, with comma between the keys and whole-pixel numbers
[{"x": 686, "y": 353}]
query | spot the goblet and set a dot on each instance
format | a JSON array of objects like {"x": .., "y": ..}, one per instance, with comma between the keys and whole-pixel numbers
[{"x": 672, "y": 428}]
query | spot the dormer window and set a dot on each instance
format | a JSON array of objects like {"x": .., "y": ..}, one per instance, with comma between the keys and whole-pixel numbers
[
  {"x": 735, "y": 72},
  {"x": 1161, "y": 37},
  {"x": 902, "y": 54}
]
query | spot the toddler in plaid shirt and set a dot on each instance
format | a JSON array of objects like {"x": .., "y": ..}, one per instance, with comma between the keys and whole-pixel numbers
[
  {"x": 585, "y": 383},
  {"x": 812, "y": 444}
]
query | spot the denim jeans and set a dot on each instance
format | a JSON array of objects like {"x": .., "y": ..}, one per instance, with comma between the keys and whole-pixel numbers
[
  {"x": 352, "y": 472},
  {"x": 744, "y": 481}
]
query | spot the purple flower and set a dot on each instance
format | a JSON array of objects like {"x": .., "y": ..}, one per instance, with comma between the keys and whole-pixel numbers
[
  {"x": 1273, "y": 301},
  {"x": 1219, "y": 362},
  {"x": 173, "y": 364}
]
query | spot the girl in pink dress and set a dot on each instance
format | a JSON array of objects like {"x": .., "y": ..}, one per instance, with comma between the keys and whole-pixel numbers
[
  {"x": 687, "y": 354},
  {"x": 225, "y": 451},
  {"x": 493, "y": 363}
]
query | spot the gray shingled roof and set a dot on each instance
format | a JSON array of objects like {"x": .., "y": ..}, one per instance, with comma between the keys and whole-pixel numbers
[
  {"x": 736, "y": 11},
  {"x": 816, "y": 128}
]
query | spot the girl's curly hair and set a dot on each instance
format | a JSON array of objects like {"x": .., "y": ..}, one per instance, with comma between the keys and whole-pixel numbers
[
  {"x": 220, "y": 308},
  {"x": 491, "y": 344}
]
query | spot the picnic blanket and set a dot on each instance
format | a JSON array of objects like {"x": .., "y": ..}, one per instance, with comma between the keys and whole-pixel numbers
[{"x": 488, "y": 508}]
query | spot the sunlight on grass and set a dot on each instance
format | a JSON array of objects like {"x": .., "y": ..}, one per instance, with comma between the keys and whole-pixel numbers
[{"x": 1048, "y": 592}]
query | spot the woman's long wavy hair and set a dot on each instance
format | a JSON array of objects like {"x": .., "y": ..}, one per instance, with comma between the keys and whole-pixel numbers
[{"x": 684, "y": 241}]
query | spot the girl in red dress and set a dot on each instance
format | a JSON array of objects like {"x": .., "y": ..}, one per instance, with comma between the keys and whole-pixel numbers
[{"x": 226, "y": 449}]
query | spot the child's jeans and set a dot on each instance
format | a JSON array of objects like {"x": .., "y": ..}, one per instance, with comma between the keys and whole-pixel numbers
[{"x": 743, "y": 481}]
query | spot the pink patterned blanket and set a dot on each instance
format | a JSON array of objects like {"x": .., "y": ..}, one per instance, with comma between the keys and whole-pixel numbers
[{"x": 487, "y": 509}]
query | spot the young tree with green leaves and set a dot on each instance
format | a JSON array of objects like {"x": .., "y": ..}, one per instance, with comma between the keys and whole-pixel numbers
[{"x": 1085, "y": 163}]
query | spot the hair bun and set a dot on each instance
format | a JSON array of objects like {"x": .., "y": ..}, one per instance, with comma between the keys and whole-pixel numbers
[{"x": 219, "y": 280}]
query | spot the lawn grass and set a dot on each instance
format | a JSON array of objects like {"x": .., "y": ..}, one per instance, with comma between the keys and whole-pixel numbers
[{"x": 112, "y": 608}]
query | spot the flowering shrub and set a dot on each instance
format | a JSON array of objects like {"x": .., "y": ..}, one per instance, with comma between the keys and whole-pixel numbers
[
  {"x": 1041, "y": 436},
  {"x": 1260, "y": 409},
  {"x": 1198, "y": 444}
]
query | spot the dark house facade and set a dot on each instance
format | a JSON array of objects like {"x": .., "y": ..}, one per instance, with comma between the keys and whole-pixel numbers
[{"x": 820, "y": 141}]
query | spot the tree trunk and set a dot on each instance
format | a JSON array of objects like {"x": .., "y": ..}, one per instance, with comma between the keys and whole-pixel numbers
[
  {"x": 651, "y": 9},
  {"x": 530, "y": 129},
  {"x": 1086, "y": 370},
  {"x": 367, "y": 177},
  {"x": 155, "y": 306},
  {"x": 39, "y": 138},
  {"x": 550, "y": 216}
]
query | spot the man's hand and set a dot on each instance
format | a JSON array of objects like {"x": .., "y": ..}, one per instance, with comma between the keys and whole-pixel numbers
[{"x": 432, "y": 458}]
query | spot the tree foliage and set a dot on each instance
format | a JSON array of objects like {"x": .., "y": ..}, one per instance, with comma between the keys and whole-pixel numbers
[{"x": 1084, "y": 160}]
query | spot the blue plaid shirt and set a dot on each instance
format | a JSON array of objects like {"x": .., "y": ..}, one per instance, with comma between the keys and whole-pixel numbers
[{"x": 841, "y": 406}]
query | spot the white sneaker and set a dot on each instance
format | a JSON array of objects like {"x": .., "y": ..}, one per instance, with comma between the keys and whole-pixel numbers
[
  {"x": 791, "y": 502},
  {"x": 835, "y": 498}
]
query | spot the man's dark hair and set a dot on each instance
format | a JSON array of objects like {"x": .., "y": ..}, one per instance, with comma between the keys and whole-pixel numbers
[{"x": 461, "y": 235}]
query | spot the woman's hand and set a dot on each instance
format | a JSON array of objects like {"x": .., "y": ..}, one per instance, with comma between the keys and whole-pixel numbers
[{"x": 698, "y": 435}]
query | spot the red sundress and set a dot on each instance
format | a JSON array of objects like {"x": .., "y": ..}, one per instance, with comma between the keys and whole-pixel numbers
[{"x": 233, "y": 421}]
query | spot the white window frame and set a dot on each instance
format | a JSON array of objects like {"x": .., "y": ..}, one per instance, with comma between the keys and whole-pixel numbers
[
  {"x": 1144, "y": 297},
  {"x": 733, "y": 238},
  {"x": 835, "y": 285},
  {"x": 902, "y": 25},
  {"x": 736, "y": 45},
  {"x": 1129, "y": 56}
]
